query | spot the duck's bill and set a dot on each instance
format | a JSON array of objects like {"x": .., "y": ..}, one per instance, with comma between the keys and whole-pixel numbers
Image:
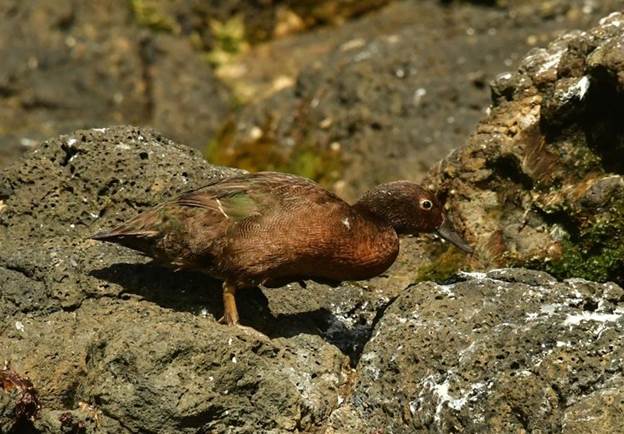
[{"x": 447, "y": 232}]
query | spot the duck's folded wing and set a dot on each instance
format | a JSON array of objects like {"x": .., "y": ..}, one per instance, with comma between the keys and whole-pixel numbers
[
  {"x": 235, "y": 205},
  {"x": 212, "y": 210}
]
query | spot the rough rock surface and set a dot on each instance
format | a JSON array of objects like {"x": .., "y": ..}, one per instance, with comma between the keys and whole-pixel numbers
[
  {"x": 511, "y": 350},
  {"x": 125, "y": 345},
  {"x": 69, "y": 65},
  {"x": 540, "y": 181},
  {"x": 112, "y": 343}
]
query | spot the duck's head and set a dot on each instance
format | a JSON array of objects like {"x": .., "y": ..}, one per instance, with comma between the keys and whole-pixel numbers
[{"x": 410, "y": 209}]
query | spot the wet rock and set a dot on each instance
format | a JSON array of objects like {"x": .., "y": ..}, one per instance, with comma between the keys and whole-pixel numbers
[
  {"x": 186, "y": 100},
  {"x": 505, "y": 351},
  {"x": 71, "y": 65},
  {"x": 261, "y": 20}
]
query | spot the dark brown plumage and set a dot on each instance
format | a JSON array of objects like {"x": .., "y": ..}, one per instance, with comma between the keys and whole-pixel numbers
[{"x": 273, "y": 228}]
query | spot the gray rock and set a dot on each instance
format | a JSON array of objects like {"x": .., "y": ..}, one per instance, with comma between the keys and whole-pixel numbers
[
  {"x": 156, "y": 369},
  {"x": 508, "y": 351},
  {"x": 71, "y": 65},
  {"x": 388, "y": 96},
  {"x": 116, "y": 344},
  {"x": 111, "y": 341},
  {"x": 70, "y": 188}
]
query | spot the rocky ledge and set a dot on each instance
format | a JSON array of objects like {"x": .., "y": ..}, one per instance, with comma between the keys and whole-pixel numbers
[
  {"x": 96, "y": 339},
  {"x": 111, "y": 343}
]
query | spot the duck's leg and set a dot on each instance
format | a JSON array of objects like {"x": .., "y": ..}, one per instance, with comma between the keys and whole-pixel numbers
[{"x": 230, "y": 314}]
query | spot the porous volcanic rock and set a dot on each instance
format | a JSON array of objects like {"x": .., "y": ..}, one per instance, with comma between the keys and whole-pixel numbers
[
  {"x": 510, "y": 350},
  {"x": 65, "y": 191},
  {"x": 114, "y": 343},
  {"x": 109, "y": 340},
  {"x": 540, "y": 181}
]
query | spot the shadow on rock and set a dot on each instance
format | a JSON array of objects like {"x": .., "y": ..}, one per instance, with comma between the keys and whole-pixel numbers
[
  {"x": 182, "y": 291},
  {"x": 199, "y": 294}
]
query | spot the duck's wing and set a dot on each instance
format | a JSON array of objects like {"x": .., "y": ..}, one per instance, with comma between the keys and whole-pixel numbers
[
  {"x": 177, "y": 229},
  {"x": 201, "y": 216},
  {"x": 152, "y": 222},
  {"x": 256, "y": 194}
]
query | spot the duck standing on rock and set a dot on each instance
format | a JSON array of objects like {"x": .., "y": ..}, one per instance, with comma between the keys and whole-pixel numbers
[{"x": 273, "y": 228}]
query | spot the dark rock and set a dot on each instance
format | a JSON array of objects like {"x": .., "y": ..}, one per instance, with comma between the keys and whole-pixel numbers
[
  {"x": 71, "y": 65},
  {"x": 187, "y": 102},
  {"x": 155, "y": 369},
  {"x": 70, "y": 188},
  {"x": 260, "y": 20},
  {"x": 517, "y": 352},
  {"x": 116, "y": 343},
  {"x": 388, "y": 96},
  {"x": 78, "y": 183}
]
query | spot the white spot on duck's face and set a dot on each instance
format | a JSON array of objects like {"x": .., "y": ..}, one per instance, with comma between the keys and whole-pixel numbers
[{"x": 346, "y": 222}]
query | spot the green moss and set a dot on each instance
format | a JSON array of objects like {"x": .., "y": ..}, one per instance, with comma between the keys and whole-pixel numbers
[
  {"x": 228, "y": 40},
  {"x": 148, "y": 15},
  {"x": 597, "y": 253},
  {"x": 446, "y": 264},
  {"x": 605, "y": 264}
]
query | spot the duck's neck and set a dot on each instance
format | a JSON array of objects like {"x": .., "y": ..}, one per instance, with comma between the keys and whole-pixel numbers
[
  {"x": 378, "y": 205},
  {"x": 369, "y": 246},
  {"x": 375, "y": 244}
]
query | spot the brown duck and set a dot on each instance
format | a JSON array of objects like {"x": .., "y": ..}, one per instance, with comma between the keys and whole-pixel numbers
[{"x": 273, "y": 228}]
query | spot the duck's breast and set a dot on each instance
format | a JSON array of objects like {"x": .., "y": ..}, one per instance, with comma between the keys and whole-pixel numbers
[{"x": 328, "y": 241}]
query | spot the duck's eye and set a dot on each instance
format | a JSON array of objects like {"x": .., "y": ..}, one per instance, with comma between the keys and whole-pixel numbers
[{"x": 426, "y": 204}]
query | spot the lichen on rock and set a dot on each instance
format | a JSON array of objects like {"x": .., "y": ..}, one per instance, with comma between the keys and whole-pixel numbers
[{"x": 505, "y": 351}]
